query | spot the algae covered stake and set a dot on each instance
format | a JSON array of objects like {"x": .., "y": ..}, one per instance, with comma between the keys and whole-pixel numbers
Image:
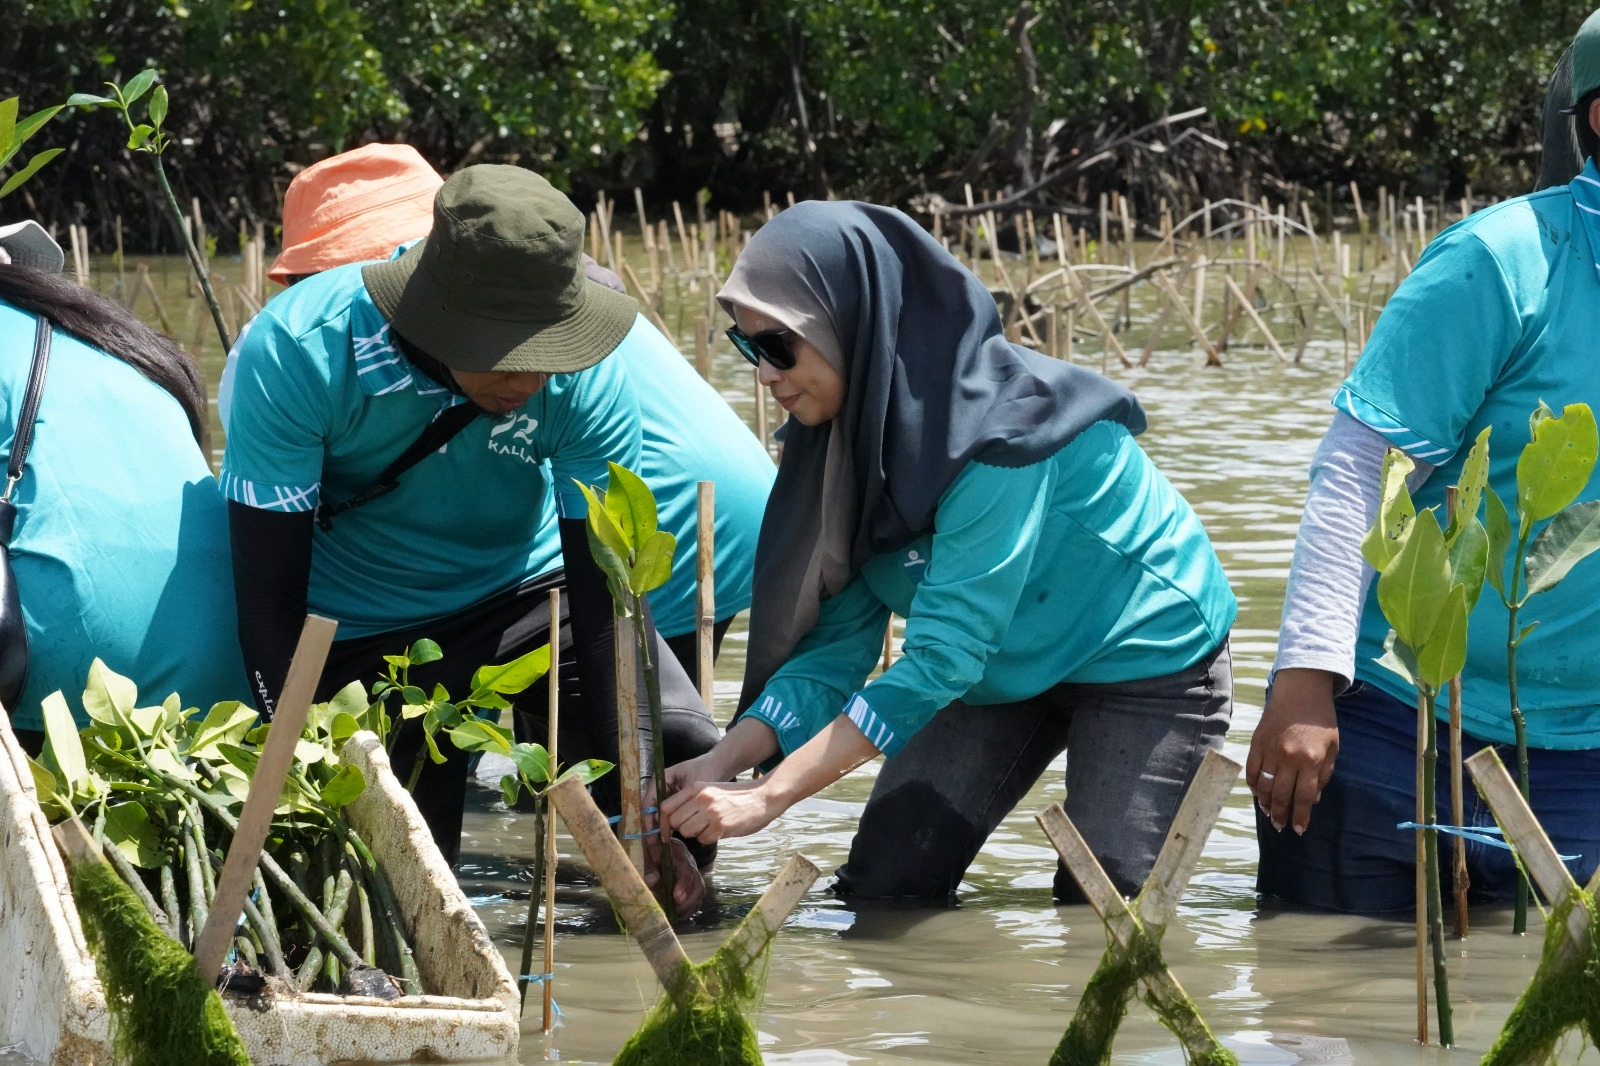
[{"x": 703, "y": 1015}]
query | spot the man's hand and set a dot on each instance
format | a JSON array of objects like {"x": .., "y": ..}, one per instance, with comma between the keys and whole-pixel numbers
[
  {"x": 689, "y": 883},
  {"x": 1294, "y": 747},
  {"x": 712, "y": 811},
  {"x": 701, "y": 768}
]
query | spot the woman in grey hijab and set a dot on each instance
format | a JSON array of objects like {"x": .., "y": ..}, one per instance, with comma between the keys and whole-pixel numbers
[{"x": 1058, "y": 593}]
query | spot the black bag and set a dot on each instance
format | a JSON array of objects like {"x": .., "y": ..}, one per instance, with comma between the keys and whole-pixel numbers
[{"x": 13, "y": 631}]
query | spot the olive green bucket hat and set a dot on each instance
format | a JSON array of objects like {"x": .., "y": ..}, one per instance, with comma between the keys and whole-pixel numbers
[{"x": 498, "y": 285}]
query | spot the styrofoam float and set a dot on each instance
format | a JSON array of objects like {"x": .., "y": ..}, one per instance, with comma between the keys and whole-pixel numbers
[{"x": 52, "y": 1005}]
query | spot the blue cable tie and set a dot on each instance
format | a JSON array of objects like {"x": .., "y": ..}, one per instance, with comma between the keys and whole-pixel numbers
[
  {"x": 638, "y": 836},
  {"x": 540, "y": 978},
  {"x": 617, "y": 818},
  {"x": 1491, "y": 836}
]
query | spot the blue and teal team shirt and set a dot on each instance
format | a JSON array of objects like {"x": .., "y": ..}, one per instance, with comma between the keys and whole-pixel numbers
[
  {"x": 322, "y": 400},
  {"x": 1085, "y": 567},
  {"x": 1500, "y": 313},
  {"x": 692, "y": 435},
  {"x": 121, "y": 543}
]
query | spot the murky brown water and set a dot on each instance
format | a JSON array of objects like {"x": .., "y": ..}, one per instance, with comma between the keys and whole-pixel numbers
[{"x": 995, "y": 980}]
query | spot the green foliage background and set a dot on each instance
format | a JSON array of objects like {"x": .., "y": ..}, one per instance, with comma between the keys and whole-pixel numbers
[{"x": 683, "y": 95}]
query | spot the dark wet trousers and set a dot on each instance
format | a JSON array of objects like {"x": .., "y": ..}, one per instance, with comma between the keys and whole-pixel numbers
[
  {"x": 1132, "y": 748},
  {"x": 1354, "y": 858},
  {"x": 497, "y": 630}
]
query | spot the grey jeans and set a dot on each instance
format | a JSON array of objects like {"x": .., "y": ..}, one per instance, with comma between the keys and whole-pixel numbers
[{"x": 1132, "y": 748}]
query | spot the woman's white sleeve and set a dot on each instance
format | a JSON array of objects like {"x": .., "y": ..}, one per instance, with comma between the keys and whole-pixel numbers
[{"x": 1328, "y": 578}]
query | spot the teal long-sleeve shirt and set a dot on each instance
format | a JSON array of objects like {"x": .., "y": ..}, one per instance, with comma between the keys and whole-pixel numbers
[{"x": 1086, "y": 567}]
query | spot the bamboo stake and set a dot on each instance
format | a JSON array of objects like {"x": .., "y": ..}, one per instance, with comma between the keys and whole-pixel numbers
[
  {"x": 625, "y": 652},
  {"x": 646, "y": 303},
  {"x": 255, "y": 819},
  {"x": 764, "y": 920},
  {"x": 1459, "y": 878},
  {"x": 706, "y": 588},
  {"x": 1213, "y": 357},
  {"x": 1109, "y": 337},
  {"x": 1250, "y": 312},
  {"x": 550, "y": 818},
  {"x": 761, "y": 412},
  {"x": 888, "y": 643},
  {"x": 1421, "y": 879},
  {"x": 637, "y": 907}
]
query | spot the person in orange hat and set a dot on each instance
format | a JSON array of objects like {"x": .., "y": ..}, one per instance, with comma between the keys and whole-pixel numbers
[{"x": 350, "y": 207}]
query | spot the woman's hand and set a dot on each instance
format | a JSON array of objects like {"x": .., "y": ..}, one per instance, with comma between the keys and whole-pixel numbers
[
  {"x": 701, "y": 768},
  {"x": 710, "y": 811},
  {"x": 689, "y": 881},
  {"x": 1294, "y": 747}
]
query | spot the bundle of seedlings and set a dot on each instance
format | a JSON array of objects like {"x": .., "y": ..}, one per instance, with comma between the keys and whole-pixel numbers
[{"x": 161, "y": 788}]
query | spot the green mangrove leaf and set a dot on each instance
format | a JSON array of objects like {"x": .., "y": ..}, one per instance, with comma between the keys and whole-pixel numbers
[
  {"x": 412, "y": 710},
  {"x": 608, "y": 544},
  {"x": 446, "y": 714},
  {"x": 1570, "y": 537},
  {"x": 1444, "y": 653},
  {"x": 1522, "y": 636},
  {"x": 128, "y": 829},
  {"x": 1398, "y": 659},
  {"x": 630, "y": 501},
  {"x": 243, "y": 758},
  {"x": 1540, "y": 414},
  {"x": 345, "y": 786},
  {"x": 8, "y": 123},
  {"x": 158, "y": 106},
  {"x": 139, "y": 135},
  {"x": 533, "y": 762},
  {"x": 47, "y": 789},
  {"x": 413, "y": 694},
  {"x": 148, "y": 720},
  {"x": 433, "y": 746},
  {"x": 108, "y": 696},
  {"x": 351, "y": 700},
  {"x": 424, "y": 651},
  {"x": 1469, "y": 487},
  {"x": 137, "y": 86},
  {"x": 89, "y": 100},
  {"x": 235, "y": 785},
  {"x": 309, "y": 753},
  {"x": 1556, "y": 464},
  {"x": 1469, "y": 558},
  {"x": 34, "y": 123},
  {"x": 492, "y": 701},
  {"x": 512, "y": 677},
  {"x": 653, "y": 563},
  {"x": 164, "y": 760},
  {"x": 257, "y": 735},
  {"x": 33, "y": 167},
  {"x": 61, "y": 733},
  {"x": 343, "y": 726},
  {"x": 1395, "y": 511},
  {"x": 1497, "y": 523},
  {"x": 588, "y": 771},
  {"x": 475, "y": 734},
  {"x": 397, "y": 661},
  {"x": 510, "y": 789},
  {"x": 1413, "y": 587}
]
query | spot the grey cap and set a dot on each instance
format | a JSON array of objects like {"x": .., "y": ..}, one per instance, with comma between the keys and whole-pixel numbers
[{"x": 26, "y": 244}]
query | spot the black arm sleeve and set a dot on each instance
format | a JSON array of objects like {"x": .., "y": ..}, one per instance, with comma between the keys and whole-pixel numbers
[{"x": 271, "y": 569}]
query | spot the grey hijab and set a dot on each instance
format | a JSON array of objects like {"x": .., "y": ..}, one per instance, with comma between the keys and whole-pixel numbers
[{"x": 931, "y": 385}]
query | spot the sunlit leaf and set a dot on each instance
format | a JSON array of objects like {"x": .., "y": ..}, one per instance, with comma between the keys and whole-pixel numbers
[
  {"x": 1497, "y": 524},
  {"x": 607, "y": 543},
  {"x": 632, "y": 504},
  {"x": 588, "y": 770},
  {"x": 1469, "y": 558},
  {"x": 15, "y": 181},
  {"x": 424, "y": 651},
  {"x": 8, "y": 124},
  {"x": 61, "y": 735},
  {"x": 108, "y": 697},
  {"x": 139, "y": 135},
  {"x": 128, "y": 829},
  {"x": 1395, "y": 511},
  {"x": 533, "y": 762},
  {"x": 512, "y": 677},
  {"x": 1555, "y": 466},
  {"x": 48, "y": 789},
  {"x": 510, "y": 789},
  {"x": 158, "y": 106},
  {"x": 343, "y": 726},
  {"x": 344, "y": 787},
  {"x": 1413, "y": 587},
  {"x": 653, "y": 562},
  {"x": 1470, "y": 485},
  {"x": 164, "y": 760},
  {"x": 89, "y": 100},
  {"x": 1444, "y": 653},
  {"x": 474, "y": 734},
  {"x": 1398, "y": 659},
  {"x": 138, "y": 85}
]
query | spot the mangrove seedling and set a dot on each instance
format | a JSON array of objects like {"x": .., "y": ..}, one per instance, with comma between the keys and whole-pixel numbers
[
  {"x": 149, "y": 136},
  {"x": 162, "y": 786},
  {"x": 1429, "y": 580},
  {"x": 14, "y": 133},
  {"x": 636, "y": 557},
  {"x": 1552, "y": 472}
]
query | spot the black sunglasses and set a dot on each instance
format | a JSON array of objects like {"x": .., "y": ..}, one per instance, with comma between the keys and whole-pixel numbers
[{"x": 773, "y": 347}]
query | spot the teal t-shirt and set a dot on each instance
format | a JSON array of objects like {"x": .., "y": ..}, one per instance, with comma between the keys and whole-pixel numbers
[
  {"x": 322, "y": 400},
  {"x": 1499, "y": 314},
  {"x": 1086, "y": 567},
  {"x": 692, "y": 435},
  {"x": 121, "y": 543}
]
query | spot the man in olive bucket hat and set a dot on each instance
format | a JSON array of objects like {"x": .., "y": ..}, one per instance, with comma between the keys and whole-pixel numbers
[
  {"x": 1497, "y": 316},
  {"x": 484, "y": 351}
]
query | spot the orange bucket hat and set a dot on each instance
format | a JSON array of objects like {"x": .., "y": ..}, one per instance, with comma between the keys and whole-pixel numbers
[{"x": 355, "y": 206}]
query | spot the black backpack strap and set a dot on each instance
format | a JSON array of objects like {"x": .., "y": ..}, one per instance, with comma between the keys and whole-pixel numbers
[
  {"x": 29, "y": 413},
  {"x": 433, "y": 437}
]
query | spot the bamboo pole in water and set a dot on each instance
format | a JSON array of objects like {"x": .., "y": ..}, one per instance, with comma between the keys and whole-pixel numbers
[
  {"x": 1459, "y": 879},
  {"x": 706, "y": 588},
  {"x": 625, "y": 651},
  {"x": 550, "y": 817},
  {"x": 702, "y": 347}
]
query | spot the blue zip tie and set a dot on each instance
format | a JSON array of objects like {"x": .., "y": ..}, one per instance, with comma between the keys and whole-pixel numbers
[
  {"x": 617, "y": 818},
  {"x": 1480, "y": 834},
  {"x": 639, "y": 836},
  {"x": 540, "y": 978}
]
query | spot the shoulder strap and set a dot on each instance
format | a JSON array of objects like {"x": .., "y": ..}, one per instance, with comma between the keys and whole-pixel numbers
[
  {"x": 29, "y": 413},
  {"x": 434, "y": 436}
]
